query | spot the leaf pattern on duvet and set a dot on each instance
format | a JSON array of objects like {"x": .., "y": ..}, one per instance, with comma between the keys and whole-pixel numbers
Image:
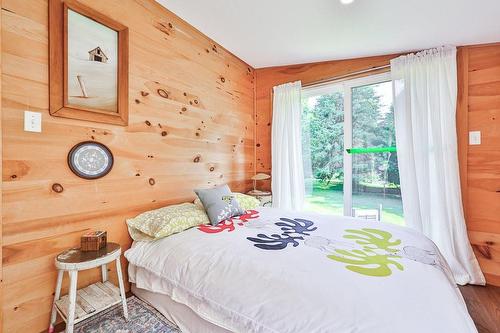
[
  {"x": 296, "y": 226},
  {"x": 367, "y": 262},
  {"x": 230, "y": 223},
  {"x": 275, "y": 241},
  {"x": 293, "y": 230}
]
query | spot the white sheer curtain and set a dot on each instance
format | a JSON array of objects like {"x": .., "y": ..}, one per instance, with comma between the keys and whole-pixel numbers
[
  {"x": 425, "y": 92},
  {"x": 286, "y": 146}
]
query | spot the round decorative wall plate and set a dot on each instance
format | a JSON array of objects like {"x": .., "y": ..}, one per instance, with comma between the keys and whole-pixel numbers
[{"x": 90, "y": 160}]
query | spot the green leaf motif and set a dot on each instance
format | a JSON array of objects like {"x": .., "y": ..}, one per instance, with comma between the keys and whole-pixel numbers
[
  {"x": 373, "y": 239},
  {"x": 377, "y": 255},
  {"x": 367, "y": 262}
]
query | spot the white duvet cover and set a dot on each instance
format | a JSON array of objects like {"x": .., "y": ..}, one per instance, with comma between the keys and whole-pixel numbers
[{"x": 279, "y": 271}]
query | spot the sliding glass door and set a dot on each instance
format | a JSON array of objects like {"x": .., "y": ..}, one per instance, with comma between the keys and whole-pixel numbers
[
  {"x": 349, "y": 138},
  {"x": 323, "y": 147}
]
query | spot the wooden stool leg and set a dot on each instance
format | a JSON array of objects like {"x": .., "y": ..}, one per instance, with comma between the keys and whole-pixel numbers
[
  {"x": 104, "y": 273},
  {"x": 73, "y": 278},
  {"x": 53, "y": 314},
  {"x": 122, "y": 288}
]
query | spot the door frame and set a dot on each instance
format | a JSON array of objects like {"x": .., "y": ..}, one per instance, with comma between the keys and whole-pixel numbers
[{"x": 348, "y": 85}]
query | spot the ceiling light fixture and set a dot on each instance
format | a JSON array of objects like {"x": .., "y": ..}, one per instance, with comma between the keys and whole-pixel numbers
[{"x": 346, "y": 2}]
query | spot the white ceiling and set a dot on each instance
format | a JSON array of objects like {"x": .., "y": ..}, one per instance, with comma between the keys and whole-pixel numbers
[{"x": 279, "y": 32}]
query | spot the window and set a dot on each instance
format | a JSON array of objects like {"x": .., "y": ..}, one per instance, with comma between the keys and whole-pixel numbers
[{"x": 350, "y": 150}]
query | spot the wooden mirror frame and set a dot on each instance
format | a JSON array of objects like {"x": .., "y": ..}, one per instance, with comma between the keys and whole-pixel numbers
[{"x": 58, "y": 100}]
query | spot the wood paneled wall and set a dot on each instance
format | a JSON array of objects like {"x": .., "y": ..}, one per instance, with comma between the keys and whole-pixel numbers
[
  {"x": 267, "y": 78},
  {"x": 200, "y": 135},
  {"x": 1, "y": 182},
  {"x": 479, "y": 110}
]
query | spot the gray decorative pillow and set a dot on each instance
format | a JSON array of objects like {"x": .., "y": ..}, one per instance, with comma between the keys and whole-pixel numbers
[{"x": 220, "y": 203}]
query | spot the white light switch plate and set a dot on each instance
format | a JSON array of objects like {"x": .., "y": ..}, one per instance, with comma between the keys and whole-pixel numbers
[
  {"x": 474, "y": 137},
  {"x": 32, "y": 121}
]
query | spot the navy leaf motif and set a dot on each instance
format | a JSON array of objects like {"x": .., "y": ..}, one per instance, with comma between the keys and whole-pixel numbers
[
  {"x": 297, "y": 226},
  {"x": 289, "y": 227},
  {"x": 275, "y": 241}
]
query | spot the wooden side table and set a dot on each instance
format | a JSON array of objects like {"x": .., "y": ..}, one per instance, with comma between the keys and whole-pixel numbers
[
  {"x": 265, "y": 197},
  {"x": 83, "y": 303}
]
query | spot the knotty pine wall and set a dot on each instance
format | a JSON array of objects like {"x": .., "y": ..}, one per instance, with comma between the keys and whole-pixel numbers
[
  {"x": 209, "y": 114},
  {"x": 479, "y": 110}
]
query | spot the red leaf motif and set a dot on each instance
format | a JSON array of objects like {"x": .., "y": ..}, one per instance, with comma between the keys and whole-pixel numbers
[
  {"x": 229, "y": 223},
  {"x": 249, "y": 215}
]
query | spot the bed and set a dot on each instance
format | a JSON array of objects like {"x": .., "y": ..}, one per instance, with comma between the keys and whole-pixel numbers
[{"x": 271, "y": 270}]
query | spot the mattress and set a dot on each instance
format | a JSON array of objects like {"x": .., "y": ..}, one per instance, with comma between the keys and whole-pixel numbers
[
  {"x": 271, "y": 271},
  {"x": 180, "y": 314}
]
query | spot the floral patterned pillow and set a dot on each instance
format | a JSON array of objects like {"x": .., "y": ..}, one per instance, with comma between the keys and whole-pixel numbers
[
  {"x": 163, "y": 222},
  {"x": 247, "y": 202},
  {"x": 220, "y": 203}
]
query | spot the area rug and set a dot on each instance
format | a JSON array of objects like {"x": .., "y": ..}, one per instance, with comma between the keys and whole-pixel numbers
[{"x": 142, "y": 318}]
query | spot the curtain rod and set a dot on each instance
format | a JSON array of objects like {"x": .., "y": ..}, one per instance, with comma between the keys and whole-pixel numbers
[{"x": 345, "y": 76}]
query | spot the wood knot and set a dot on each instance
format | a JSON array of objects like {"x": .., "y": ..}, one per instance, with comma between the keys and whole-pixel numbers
[
  {"x": 184, "y": 109},
  {"x": 137, "y": 174},
  {"x": 195, "y": 101},
  {"x": 212, "y": 168},
  {"x": 258, "y": 145},
  {"x": 197, "y": 159},
  {"x": 222, "y": 79},
  {"x": 137, "y": 101},
  {"x": 483, "y": 250},
  {"x": 151, "y": 181},
  {"x": 58, "y": 188},
  {"x": 170, "y": 25},
  {"x": 147, "y": 122},
  {"x": 162, "y": 92},
  {"x": 144, "y": 93},
  {"x": 13, "y": 176},
  {"x": 164, "y": 133}
]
